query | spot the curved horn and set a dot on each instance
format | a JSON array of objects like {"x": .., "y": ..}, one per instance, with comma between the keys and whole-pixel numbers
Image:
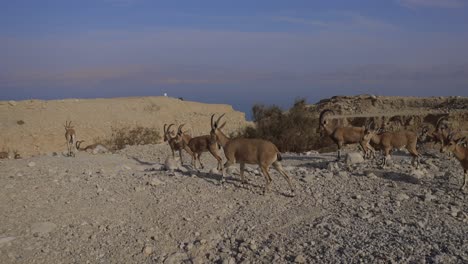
[
  {"x": 78, "y": 144},
  {"x": 179, "y": 130},
  {"x": 164, "y": 129},
  {"x": 219, "y": 118},
  {"x": 169, "y": 130},
  {"x": 440, "y": 120},
  {"x": 322, "y": 114},
  {"x": 212, "y": 125}
]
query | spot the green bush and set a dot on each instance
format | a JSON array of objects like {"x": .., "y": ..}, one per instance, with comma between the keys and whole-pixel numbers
[
  {"x": 293, "y": 131},
  {"x": 138, "y": 135}
]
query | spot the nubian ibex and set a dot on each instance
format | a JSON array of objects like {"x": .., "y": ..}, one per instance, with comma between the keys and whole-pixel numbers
[
  {"x": 249, "y": 151},
  {"x": 174, "y": 142},
  {"x": 70, "y": 136},
  {"x": 197, "y": 145},
  {"x": 339, "y": 134},
  {"x": 387, "y": 141},
  {"x": 461, "y": 153}
]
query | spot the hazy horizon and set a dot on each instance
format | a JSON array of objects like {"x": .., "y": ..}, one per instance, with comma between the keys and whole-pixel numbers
[{"x": 239, "y": 53}]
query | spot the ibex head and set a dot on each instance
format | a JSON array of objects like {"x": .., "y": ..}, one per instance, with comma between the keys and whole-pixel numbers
[
  {"x": 323, "y": 121},
  {"x": 452, "y": 142},
  {"x": 167, "y": 132},
  {"x": 442, "y": 123},
  {"x": 68, "y": 125},
  {"x": 216, "y": 128}
]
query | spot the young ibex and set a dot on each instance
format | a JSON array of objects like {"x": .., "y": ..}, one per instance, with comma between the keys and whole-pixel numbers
[
  {"x": 249, "y": 151},
  {"x": 70, "y": 136},
  {"x": 341, "y": 135},
  {"x": 460, "y": 152},
  {"x": 387, "y": 141},
  {"x": 197, "y": 145}
]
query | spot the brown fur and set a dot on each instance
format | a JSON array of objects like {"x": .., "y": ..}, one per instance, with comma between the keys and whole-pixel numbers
[
  {"x": 175, "y": 142},
  {"x": 70, "y": 136},
  {"x": 342, "y": 135},
  {"x": 249, "y": 151},
  {"x": 461, "y": 153},
  {"x": 3, "y": 155},
  {"x": 388, "y": 141},
  {"x": 89, "y": 147}
]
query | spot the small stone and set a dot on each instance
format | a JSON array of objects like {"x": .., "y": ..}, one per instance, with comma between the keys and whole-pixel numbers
[
  {"x": 31, "y": 164},
  {"x": 357, "y": 197},
  {"x": 354, "y": 158},
  {"x": 155, "y": 182},
  {"x": 371, "y": 175},
  {"x": 299, "y": 259},
  {"x": 421, "y": 224},
  {"x": 170, "y": 164},
  {"x": 401, "y": 197},
  {"x": 232, "y": 170},
  {"x": 139, "y": 188},
  {"x": 214, "y": 171},
  {"x": 343, "y": 174},
  {"x": 229, "y": 260},
  {"x": 418, "y": 174},
  {"x": 42, "y": 228},
  {"x": 6, "y": 240},
  {"x": 189, "y": 246},
  {"x": 12, "y": 103},
  {"x": 429, "y": 197}
]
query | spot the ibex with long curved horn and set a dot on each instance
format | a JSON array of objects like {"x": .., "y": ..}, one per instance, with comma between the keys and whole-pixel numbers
[
  {"x": 249, "y": 151},
  {"x": 197, "y": 145},
  {"x": 174, "y": 142},
  {"x": 70, "y": 136},
  {"x": 341, "y": 135}
]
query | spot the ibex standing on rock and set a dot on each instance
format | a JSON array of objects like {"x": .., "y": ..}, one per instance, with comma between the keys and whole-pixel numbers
[
  {"x": 249, "y": 151},
  {"x": 460, "y": 152},
  {"x": 70, "y": 136}
]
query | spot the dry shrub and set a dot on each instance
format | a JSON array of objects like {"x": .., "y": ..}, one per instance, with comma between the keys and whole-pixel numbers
[
  {"x": 20, "y": 122},
  {"x": 293, "y": 131},
  {"x": 138, "y": 135}
]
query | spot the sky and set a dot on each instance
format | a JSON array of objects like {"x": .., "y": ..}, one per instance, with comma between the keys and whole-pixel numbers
[{"x": 234, "y": 52}]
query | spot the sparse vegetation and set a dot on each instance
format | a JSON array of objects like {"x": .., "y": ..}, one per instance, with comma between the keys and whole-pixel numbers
[
  {"x": 152, "y": 107},
  {"x": 294, "y": 130},
  {"x": 138, "y": 135},
  {"x": 20, "y": 122}
]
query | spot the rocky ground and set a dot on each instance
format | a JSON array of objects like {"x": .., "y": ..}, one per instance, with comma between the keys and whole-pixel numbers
[{"x": 126, "y": 208}]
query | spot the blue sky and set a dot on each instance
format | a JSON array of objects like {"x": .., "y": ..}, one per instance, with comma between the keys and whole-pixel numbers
[{"x": 235, "y": 52}]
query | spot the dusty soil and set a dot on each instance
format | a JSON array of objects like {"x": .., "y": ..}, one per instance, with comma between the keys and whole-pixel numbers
[
  {"x": 34, "y": 127},
  {"x": 126, "y": 208}
]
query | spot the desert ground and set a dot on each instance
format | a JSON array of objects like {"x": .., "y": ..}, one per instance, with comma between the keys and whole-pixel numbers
[{"x": 135, "y": 206}]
